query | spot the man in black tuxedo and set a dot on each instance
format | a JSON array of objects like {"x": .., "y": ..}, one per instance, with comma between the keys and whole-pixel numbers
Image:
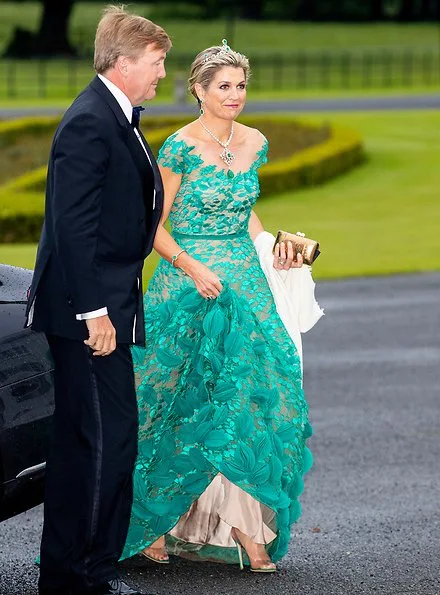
[{"x": 103, "y": 203}]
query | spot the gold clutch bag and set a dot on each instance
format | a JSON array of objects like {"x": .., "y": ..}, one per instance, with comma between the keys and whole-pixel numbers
[{"x": 301, "y": 245}]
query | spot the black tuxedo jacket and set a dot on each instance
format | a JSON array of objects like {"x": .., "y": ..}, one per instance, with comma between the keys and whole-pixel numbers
[{"x": 99, "y": 221}]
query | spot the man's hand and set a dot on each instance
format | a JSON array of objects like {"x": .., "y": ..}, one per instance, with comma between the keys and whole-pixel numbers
[{"x": 102, "y": 335}]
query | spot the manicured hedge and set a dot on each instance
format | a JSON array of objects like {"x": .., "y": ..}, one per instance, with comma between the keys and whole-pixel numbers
[
  {"x": 28, "y": 140},
  {"x": 340, "y": 153},
  {"x": 334, "y": 151},
  {"x": 21, "y": 216},
  {"x": 32, "y": 181},
  {"x": 36, "y": 125}
]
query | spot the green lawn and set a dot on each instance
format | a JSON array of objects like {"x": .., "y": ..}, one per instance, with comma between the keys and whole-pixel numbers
[
  {"x": 23, "y": 255},
  {"x": 285, "y": 56},
  {"x": 249, "y": 36},
  {"x": 381, "y": 218},
  {"x": 59, "y": 80}
]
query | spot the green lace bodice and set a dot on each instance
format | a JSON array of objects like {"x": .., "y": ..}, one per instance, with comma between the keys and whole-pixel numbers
[{"x": 211, "y": 200}]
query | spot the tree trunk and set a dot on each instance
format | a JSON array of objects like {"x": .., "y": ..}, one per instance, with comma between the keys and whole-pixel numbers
[{"x": 51, "y": 40}]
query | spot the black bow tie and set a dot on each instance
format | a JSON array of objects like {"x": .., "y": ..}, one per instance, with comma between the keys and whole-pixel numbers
[{"x": 136, "y": 116}]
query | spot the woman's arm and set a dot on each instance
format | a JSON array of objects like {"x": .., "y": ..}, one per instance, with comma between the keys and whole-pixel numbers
[
  {"x": 164, "y": 244},
  {"x": 284, "y": 257},
  {"x": 255, "y": 226},
  {"x": 207, "y": 283}
]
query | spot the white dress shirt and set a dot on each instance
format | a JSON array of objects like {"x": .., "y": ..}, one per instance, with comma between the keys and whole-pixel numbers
[{"x": 127, "y": 108}]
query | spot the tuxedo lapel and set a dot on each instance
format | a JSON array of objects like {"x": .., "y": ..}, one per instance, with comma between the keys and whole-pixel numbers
[
  {"x": 142, "y": 163},
  {"x": 156, "y": 213},
  {"x": 157, "y": 177},
  {"x": 147, "y": 173}
]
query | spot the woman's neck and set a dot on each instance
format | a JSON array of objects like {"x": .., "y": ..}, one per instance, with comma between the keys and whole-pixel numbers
[{"x": 221, "y": 128}]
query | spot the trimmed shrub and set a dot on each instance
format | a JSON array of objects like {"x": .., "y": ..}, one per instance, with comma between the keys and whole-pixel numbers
[
  {"x": 21, "y": 216},
  {"x": 11, "y": 130},
  {"x": 27, "y": 140},
  {"x": 341, "y": 152},
  {"x": 32, "y": 181},
  {"x": 316, "y": 154},
  {"x": 24, "y": 145}
]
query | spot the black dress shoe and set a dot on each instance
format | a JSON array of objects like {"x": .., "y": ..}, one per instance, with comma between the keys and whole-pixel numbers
[{"x": 117, "y": 587}]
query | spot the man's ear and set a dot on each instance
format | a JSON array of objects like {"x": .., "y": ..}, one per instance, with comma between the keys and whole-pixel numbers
[{"x": 121, "y": 65}]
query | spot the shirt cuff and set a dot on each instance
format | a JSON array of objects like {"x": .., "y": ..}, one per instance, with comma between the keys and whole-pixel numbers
[{"x": 94, "y": 314}]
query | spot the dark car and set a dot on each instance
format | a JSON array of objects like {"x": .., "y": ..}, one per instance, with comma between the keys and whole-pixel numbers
[{"x": 26, "y": 398}]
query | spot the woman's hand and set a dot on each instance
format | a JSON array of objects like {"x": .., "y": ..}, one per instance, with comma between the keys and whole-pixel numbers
[
  {"x": 284, "y": 257},
  {"x": 207, "y": 283}
]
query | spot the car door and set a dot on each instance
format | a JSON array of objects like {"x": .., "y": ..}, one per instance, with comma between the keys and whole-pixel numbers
[{"x": 26, "y": 397}]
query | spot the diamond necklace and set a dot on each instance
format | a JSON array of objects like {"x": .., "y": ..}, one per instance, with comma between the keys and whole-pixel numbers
[{"x": 226, "y": 155}]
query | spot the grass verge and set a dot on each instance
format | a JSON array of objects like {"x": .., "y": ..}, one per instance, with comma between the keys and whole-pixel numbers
[{"x": 379, "y": 219}]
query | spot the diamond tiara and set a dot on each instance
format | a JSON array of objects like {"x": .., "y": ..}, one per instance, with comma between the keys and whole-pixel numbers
[{"x": 225, "y": 49}]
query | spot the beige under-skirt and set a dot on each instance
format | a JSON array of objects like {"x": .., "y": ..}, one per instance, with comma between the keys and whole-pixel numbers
[{"x": 222, "y": 506}]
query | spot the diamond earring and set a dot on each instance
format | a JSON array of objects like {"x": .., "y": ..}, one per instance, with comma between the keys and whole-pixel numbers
[{"x": 202, "y": 111}]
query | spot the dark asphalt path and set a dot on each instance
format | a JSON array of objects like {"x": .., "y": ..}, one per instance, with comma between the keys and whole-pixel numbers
[
  {"x": 336, "y": 104},
  {"x": 372, "y": 380}
]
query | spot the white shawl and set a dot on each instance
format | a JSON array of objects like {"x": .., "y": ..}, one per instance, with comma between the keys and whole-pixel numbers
[{"x": 293, "y": 292}]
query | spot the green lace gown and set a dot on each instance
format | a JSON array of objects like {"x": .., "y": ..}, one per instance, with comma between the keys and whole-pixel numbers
[{"x": 219, "y": 382}]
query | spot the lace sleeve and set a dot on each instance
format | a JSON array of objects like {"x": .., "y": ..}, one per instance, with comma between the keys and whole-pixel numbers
[
  {"x": 262, "y": 153},
  {"x": 171, "y": 155}
]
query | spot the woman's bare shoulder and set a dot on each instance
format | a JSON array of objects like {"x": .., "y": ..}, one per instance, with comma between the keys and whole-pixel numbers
[
  {"x": 188, "y": 133},
  {"x": 250, "y": 135}
]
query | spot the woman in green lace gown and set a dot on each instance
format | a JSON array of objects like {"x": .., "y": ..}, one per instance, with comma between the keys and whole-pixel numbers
[{"x": 223, "y": 419}]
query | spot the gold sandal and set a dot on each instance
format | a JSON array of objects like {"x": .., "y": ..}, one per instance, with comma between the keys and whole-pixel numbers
[
  {"x": 256, "y": 564},
  {"x": 148, "y": 553}
]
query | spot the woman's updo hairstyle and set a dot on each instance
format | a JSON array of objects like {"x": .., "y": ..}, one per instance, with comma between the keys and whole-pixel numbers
[{"x": 209, "y": 61}]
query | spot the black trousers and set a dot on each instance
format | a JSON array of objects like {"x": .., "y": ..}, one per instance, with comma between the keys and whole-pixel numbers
[{"x": 89, "y": 487}]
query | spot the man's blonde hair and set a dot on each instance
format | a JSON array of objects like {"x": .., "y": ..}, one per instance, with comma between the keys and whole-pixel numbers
[{"x": 122, "y": 34}]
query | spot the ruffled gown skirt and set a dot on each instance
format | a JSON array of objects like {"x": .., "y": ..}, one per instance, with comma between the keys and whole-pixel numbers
[{"x": 222, "y": 416}]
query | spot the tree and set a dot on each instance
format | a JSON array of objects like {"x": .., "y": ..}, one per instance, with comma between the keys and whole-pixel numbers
[
  {"x": 51, "y": 38},
  {"x": 252, "y": 9},
  {"x": 377, "y": 10},
  {"x": 307, "y": 10},
  {"x": 428, "y": 9},
  {"x": 406, "y": 13}
]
